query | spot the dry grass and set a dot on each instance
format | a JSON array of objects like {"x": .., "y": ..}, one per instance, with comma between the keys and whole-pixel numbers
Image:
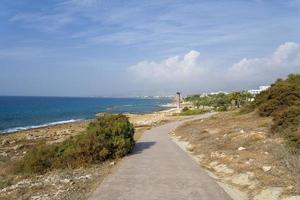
[{"x": 219, "y": 138}]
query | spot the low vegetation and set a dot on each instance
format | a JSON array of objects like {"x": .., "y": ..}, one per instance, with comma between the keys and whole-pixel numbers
[
  {"x": 220, "y": 101},
  {"x": 282, "y": 102},
  {"x": 186, "y": 111},
  {"x": 108, "y": 137},
  {"x": 241, "y": 151}
]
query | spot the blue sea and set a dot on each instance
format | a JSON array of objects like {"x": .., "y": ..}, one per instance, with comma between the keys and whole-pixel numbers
[{"x": 21, "y": 113}]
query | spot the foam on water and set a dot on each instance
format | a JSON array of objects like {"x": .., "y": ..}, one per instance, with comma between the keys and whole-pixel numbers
[{"x": 11, "y": 130}]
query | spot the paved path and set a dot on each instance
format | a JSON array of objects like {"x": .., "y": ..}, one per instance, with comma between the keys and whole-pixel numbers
[{"x": 158, "y": 169}]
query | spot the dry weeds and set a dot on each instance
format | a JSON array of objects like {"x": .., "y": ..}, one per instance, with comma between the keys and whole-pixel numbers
[{"x": 243, "y": 143}]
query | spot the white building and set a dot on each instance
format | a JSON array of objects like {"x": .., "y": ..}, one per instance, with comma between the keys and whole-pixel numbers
[
  {"x": 212, "y": 93},
  {"x": 261, "y": 88}
]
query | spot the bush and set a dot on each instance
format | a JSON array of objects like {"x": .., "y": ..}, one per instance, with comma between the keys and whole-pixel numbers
[
  {"x": 222, "y": 108},
  {"x": 193, "y": 112},
  {"x": 185, "y": 109},
  {"x": 108, "y": 137},
  {"x": 287, "y": 122},
  {"x": 282, "y": 102}
]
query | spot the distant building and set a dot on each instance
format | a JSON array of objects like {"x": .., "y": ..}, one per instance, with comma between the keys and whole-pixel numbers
[
  {"x": 257, "y": 91},
  {"x": 213, "y": 93}
]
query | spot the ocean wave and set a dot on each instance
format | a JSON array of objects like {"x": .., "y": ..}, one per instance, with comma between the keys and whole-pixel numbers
[{"x": 11, "y": 130}]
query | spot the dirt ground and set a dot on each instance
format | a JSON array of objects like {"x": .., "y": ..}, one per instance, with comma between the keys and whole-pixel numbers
[{"x": 242, "y": 154}]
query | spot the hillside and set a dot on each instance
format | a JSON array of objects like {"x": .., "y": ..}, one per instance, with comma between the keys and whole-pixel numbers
[
  {"x": 282, "y": 102},
  {"x": 253, "y": 152}
]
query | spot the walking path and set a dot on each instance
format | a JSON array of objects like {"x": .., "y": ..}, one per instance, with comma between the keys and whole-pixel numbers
[{"x": 158, "y": 169}]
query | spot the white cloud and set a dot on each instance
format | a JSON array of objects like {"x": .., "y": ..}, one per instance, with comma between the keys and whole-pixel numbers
[
  {"x": 174, "y": 69},
  {"x": 284, "y": 60},
  {"x": 189, "y": 74}
]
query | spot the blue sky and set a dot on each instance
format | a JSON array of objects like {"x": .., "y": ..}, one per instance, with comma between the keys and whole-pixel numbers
[{"x": 124, "y": 48}]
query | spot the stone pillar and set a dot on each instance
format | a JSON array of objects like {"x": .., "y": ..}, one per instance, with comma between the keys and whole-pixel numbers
[{"x": 178, "y": 100}]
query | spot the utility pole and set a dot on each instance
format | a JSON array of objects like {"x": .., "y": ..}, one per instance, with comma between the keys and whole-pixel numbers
[{"x": 178, "y": 99}]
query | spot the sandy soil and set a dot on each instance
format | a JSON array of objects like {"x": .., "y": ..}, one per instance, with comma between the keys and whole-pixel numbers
[{"x": 241, "y": 153}]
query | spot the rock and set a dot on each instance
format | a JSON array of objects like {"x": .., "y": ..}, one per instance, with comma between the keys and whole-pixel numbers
[
  {"x": 266, "y": 168},
  {"x": 241, "y": 148},
  {"x": 199, "y": 158},
  {"x": 4, "y": 142},
  {"x": 248, "y": 162},
  {"x": 214, "y": 163},
  {"x": 269, "y": 193},
  {"x": 223, "y": 169},
  {"x": 250, "y": 175},
  {"x": 4, "y": 154},
  {"x": 242, "y": 131},
  {"x": 65, "y": 180},
  {"x": 257, "y": 136},
  {"x": 88, "y": 176},
  {"x": 112, "y": 163},
  {"x": 290, "y": 187},
  {"x": 190, "y": 148},
  {"x": 217, "y": 154},
  {"x": 242, "y": 179},
  {"x": 19, "y": 146}
]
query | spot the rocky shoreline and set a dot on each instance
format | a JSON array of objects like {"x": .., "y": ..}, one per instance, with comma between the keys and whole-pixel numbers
[{"x": 60, "y": 184}]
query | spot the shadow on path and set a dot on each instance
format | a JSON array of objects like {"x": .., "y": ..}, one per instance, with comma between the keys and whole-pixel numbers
[{"x": 141, "y": 146}]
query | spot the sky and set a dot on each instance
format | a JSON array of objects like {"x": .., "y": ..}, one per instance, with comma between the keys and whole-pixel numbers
[{"x": 138, "y": 47}]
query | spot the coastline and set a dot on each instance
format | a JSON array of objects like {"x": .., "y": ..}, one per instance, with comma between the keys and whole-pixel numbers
[
  {"x": 38, "y": 112},
  {"x": 58, "y": 183},
  {"x": 16, "y": 130},
  {"x": 59, "y": 131}
]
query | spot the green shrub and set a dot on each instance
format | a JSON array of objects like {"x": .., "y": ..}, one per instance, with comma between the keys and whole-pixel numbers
[
  {"x": 282, "y": 102},
  {"x": 222, "y": 108},
  {"x": 287, "y": 122},
  {"x": 193, "y": 112},
  {"x": 185, "y": 109},
  {"x": 5, "y": 183},
  {"x": 108, "y": 137}
]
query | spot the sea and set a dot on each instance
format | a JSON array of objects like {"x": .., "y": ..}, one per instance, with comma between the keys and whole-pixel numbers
[{"x": 22, "y": 113}]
